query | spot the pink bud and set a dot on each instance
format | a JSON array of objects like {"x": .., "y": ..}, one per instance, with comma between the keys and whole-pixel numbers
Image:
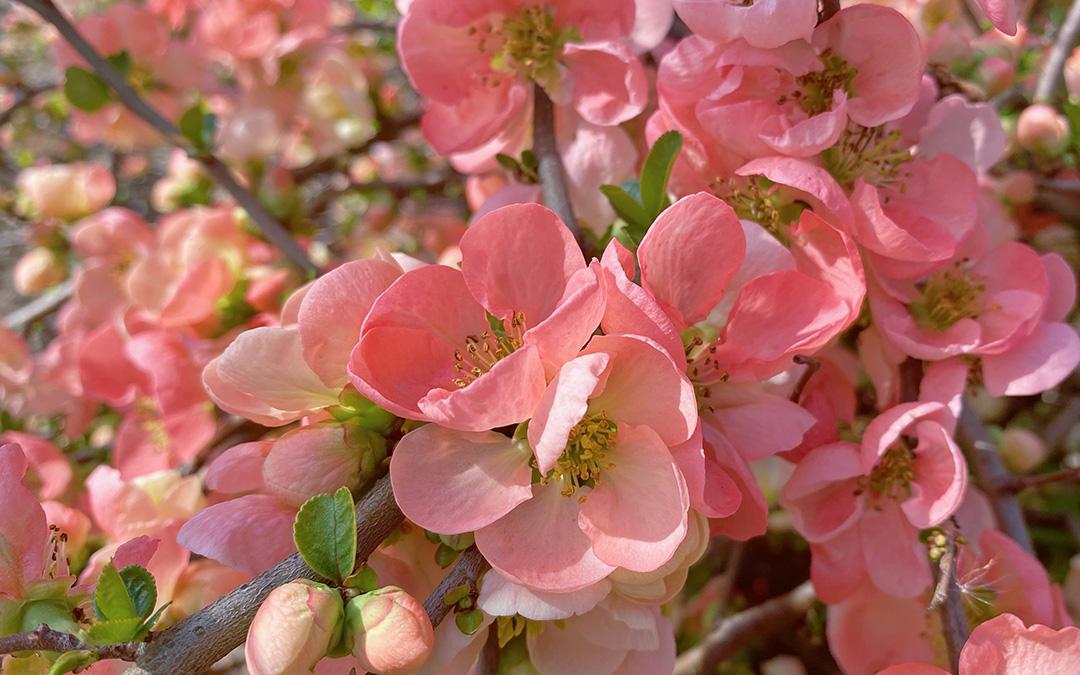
[
  {"x": 38, "y": 269},
  {"x": 390, "y": 631},
  {"x": 295, "y": 627},
  {"x": 997, "y": 74},
  {"x": 1022, "y": 449},
  {"x": 1072, "y": 74},
  {"x": 67, "y": 191},
  {"x": 1017, "y": 187},
  {"x": 1041, "y": 129}
]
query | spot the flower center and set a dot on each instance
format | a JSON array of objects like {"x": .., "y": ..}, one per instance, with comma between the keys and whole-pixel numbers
[
  {"x": 483, "y": 351},
  {"x": 871, "y": 153},
  {"x": 526, "y": 44},
  {"x": 586, "y": 454},
  {"x": 760, "y": 200},
  {"x": 815, "y": 92},
  {"x": 892, "y": 475},
  {"x": 948, "y": 296}
]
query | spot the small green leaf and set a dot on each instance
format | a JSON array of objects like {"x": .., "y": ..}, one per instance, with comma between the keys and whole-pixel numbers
[
  {"x": 198, "y": 126},
  {"x": 141, "y": 589},
  {"x": 469, "y": 622},
  {"x": 657, "y": 170},
  {"x": 121, "y": 61},
  {"x": 507, "y": 162},
  {"x": 111, "y": 598},
  {"x": 364, "y": 580},
  {"x": 85, "y": 90},
  {"x": 325, "y": 534},
  {"x": 113, "y": 631},
  {"x": 626, "y": 206},
  {"x": 445, "y": 556},
  {"x": 69, "y": 662},
  {"x": 149, "y": 624},
  {"x": 454, "y": 595}
]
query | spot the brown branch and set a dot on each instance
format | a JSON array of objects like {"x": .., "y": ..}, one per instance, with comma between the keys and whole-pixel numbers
[
  {"x": 739, "y": 630},
  {"x": 990, "y": 473},
  {"x": 549, "y": 163},
  {"x": 466, "y": 570},
  {"x": 433, "y": 182},
  {"x": 45, "y": 639},
  {"x": 24, "y": 96},
  {"x": 828, "y": 9},
  {"x": 812, "y": 366},
  {"x": 948, "y": 600},
  {"x": 199, "y": 641},
  {"x": 217, "y": 170},
  {"x": 1052, "y": 73},
  {"x": 389, "y": 129},
  {"x": 1019, "y": 483}
]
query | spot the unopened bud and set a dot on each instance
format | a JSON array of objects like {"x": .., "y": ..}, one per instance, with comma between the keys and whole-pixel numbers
[
  {"x": 295, "y": 627},
  {"x": 1022, "y": 449},
  {"x": 1042, "y": 130},
  {"x": 389, "y": 630},
  {"x": 40, "y": 268}
]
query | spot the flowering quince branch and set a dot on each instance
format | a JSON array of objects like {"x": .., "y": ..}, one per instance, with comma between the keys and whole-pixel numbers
[
  {"x": 947, "y": 595},
  {"x": 45, "y": 639},
  {"x": 549, "y": 162},
  {"x": 1019, "y": 483},
  {"x": 40, "y": 307},
  {"x": 739, "y": 630},
  {"x": 990, "y": 472},
  {"x": 466, "y": 571},
  {"x": 198, "y": 642},
  {"x": 211, "y": 164},
  {"x": 1050, "y": 76}
]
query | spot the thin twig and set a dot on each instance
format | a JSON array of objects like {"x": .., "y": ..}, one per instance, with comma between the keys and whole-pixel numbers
[
  {"x": 24, "y": 96},
  {"x": 828, "y": 9},
  {"x": 812, "y": 366},
  {"x": 1018, "y": 483},
  {"x": 433, "y": 182},
  {"x": 199, "y": 641},
  {"x": 947, "y": 599},
  {"x": 990, "y": 473},
  {"x": 389, "y": 129},
  {"x": 466, "y": 570},
  {"x": 45, "y": 639},
  {"x": 1052, "y": 73},
  {"x": 739, "y": 630},
  {"x": 549, "y": 163},
  {"x": 217, "y": 170}
]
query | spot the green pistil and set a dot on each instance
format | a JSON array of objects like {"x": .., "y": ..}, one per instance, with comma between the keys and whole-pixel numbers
[
  {"x": 586, "y": 454},
  {"x": 527, "y": 44}
]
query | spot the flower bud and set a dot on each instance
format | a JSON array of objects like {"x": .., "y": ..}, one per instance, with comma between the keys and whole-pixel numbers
[
  {"x": 1042, "y": 130},
  {"x": 996, "y": 74},
  {"x": 1017, "y": 187},
  {"x": 67, "y": 191},
  {"x": 389, "y": 630},
  {"x": 39, "y": 269},
  {"x": 296, "y": 625},
  {"x": 1022, "y": 449}
]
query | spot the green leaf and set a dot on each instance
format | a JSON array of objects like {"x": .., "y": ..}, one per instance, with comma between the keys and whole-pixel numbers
[
  {"x": 111, "y": 598},
  {"x": 469, "y": 622},
  {"x": 364, "y": 580},
  {"x": 626, "y": 206},
  {"x": 657, "y": 170},
  {"x": 71, "y": 661},
  {"x": 112, "y": 631},
  {"x": 455, "y": 595},
  {"x": 121, "y": 61},
  {"x": 85, "y": 90},
  {"x": 198, "y": 126},
  {"x": 141, "y": 589},
  {"x": 325, "y": 534},
  {"x": 149, "y": 624}
]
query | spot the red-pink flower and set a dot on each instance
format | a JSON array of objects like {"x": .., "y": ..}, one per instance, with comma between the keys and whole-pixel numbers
[
  {"x": 475, "y": 63},
  {"x": 609, "y": 494},
  {"x": 471, "y": 349}
]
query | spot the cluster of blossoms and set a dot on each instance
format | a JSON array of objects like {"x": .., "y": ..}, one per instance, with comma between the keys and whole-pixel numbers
[{"x": 782, "y": 328}]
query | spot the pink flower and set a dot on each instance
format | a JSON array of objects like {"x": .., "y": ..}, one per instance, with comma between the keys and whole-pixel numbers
[
  {"x": 477, "y": 82},
  {"x": 1005, "y": 645},
  {"x": 294, "y": 628},
  {"x": 768, "y": 24},
  {"x": 67, "y": 191},
  {"x": 863, "y": 505},
  {"x": 389, "y": 631},
  {"x": 602, "y": 432},
  {"x": 48, "y": 468},
  {"x": 471, "y": 349}
]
